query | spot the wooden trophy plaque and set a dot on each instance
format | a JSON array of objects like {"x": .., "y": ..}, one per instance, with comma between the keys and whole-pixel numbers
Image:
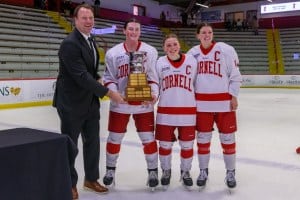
[{"x": 137, "y": 86}]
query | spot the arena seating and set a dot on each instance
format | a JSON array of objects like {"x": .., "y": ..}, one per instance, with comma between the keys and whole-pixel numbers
[
  {"x": 29, "y": 42},
  {"x": 290, "y": 46},
  {"x": 30, "y": 39}
]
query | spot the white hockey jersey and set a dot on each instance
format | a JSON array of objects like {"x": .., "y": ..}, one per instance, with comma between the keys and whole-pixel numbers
[
  {"x": 177, "y": 103},
  {"x": 115, "y": 76},
  {"x": 218, "y": 77}
]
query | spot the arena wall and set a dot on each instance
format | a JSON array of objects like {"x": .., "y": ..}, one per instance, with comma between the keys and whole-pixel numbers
[{"x": 37, "y": 92}]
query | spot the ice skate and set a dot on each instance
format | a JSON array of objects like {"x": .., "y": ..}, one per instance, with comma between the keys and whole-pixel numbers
[
  {"x": 186, "y": 179},
  {"x": 165, "y": 178},
  {"x": 202, "y": 178},
  {"x": 230, "y": 180},
  {"x": 109, "y": 178},
  {"x": 152, "y": 181}
]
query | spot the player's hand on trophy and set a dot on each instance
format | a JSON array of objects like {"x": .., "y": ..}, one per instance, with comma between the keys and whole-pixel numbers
[
  {"x": 152, "y": 102},
  {"x": 115, "y": 96}
]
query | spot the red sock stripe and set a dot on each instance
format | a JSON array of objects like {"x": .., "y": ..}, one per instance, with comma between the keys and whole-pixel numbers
[
  {"x": 113, "y": 148},
  {"x": 150, "y": 148},
  {"x": 203, "y": 148},
  {"x": 164, "y": 152},
  {"x": 228, "y": 148},
  {"x": 186, "y": 153}
]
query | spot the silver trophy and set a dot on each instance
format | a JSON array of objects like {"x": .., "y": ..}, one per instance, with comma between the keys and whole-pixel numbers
[
  {"x": 136, "y": 60},
  {"x": 137, "y": 86}
]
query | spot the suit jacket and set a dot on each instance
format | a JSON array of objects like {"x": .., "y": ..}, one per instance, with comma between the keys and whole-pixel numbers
[{"x": 76, "y": 86}]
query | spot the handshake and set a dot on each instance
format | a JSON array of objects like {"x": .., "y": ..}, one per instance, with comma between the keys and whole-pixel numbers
[{"x": 115, "y": 96}]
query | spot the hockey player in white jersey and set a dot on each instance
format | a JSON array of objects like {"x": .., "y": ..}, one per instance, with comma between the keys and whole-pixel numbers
[
  {"x": 115, "y": 78},
  {"x": 176, "y": 109},
  {"x": 217, "y": 89}
]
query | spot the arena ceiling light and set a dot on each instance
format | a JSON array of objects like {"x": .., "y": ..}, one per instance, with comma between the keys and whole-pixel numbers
[{"x": 202, "y": 5}]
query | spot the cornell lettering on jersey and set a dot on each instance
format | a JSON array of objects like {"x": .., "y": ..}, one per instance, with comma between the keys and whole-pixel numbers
[
  {"x": 209, "y": 67},
  {"x": 176, "y": 80},
  {"x": 123, "y": 71}
]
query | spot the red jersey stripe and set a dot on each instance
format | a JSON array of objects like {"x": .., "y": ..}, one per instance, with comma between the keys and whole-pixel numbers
[
  {"x": 213, "y": 97},
  {"x": 177, "y": 110}
]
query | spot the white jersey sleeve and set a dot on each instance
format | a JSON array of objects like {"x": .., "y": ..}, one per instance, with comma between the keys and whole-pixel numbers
[
  {"x": 110, "y": 78},
  {"x": 232, "y": 63},
  {"x": 152, "y": 77}
]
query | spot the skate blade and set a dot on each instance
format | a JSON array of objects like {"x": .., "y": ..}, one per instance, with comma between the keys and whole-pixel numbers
[
  {"x": 201, "y": 188},
  {"x": 152, "y": 189},
  {"x": 231, "y": 190},
  {"x": 165, "y": 187},
  {"x": 188, "y": 188},
  {"x": 111, "y": 186}
]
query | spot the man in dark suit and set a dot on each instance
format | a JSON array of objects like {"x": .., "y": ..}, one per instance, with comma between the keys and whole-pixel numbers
[{"x": 76, "y": 98}]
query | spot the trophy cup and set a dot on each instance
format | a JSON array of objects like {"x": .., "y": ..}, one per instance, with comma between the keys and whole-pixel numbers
[{"x": 137, "y": 86}]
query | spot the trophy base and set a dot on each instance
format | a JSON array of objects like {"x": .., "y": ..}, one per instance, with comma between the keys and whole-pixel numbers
[
  {"x": 138, "y": 93},
  {"x": 137, "y": 88}
]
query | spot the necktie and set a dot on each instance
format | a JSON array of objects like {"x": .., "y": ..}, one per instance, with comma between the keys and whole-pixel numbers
[{"x": 91, "y": 44}]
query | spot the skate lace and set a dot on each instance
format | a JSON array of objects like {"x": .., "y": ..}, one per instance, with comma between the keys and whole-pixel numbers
[
  {"x": 203, "y": 174},
  {"x": 152, "y": 175},
  {"x": 166, "y": 173},
  {"x": 185, "y": 175},
  {"x": 230, "y": 176},
  {"x": 110, "y": 173}
]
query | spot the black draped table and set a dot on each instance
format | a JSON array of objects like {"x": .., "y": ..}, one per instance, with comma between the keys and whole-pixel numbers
[{"x": 34, "y": 165}]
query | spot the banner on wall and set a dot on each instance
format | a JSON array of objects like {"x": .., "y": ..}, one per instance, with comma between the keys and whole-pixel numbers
[
  {"x": 19, "y": 91},
  {"x": 211, "y": 16},
  {"x": 288, "y": 81},
  {"x": 280, "y": 7}
]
